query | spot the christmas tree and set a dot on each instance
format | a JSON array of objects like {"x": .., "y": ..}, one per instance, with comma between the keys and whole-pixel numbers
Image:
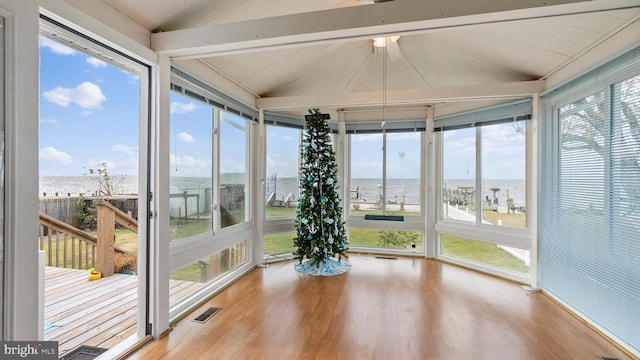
[{"x": 320, "y": 235}]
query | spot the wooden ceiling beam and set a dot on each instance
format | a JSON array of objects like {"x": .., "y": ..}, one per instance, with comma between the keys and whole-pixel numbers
[
  {"x": 403, "y": 97},
  {"x": 394, "y": 17}
]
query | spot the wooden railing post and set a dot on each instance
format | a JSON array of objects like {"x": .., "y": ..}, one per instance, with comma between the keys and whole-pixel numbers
[{"x": 106, "y": 240}]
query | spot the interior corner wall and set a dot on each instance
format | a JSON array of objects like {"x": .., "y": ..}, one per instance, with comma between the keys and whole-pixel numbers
[{"x": 20, "y": 320}]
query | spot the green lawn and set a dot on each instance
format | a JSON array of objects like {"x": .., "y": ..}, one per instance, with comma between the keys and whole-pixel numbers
[
  {"x": 517, "y": 220},
  {"x": 280, "y": 211},
  {"x": 481, "y": 252},
  {"x": 188, "y": 273},
  {"x": 283, "y": 243},
  {"x": 181, "y": 228},
  {"x": 279, "y": 243}
]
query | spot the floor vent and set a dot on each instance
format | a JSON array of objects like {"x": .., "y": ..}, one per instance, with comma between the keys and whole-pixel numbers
[
  {"x": 607, "y": 358},
  {"x": 206, "y": 315},
  {"x": 386, "y": 257},
  {"x": 84, "y": 352}
]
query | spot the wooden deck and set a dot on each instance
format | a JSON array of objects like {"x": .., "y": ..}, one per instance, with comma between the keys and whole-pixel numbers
[{"x": 98, "y": 313}]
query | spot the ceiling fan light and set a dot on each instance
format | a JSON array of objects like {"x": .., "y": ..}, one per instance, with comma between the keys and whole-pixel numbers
[{"x": 380, "y": 42}]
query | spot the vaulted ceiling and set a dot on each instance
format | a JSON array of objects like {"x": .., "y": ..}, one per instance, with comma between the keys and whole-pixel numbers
[{"x": 290, "y": 55}]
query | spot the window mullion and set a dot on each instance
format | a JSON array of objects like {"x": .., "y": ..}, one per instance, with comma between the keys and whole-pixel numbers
[
  {"x": 215, "y": 170},
  {"x": 478, "y": 182},
  {"x": 384, "y": 173}
]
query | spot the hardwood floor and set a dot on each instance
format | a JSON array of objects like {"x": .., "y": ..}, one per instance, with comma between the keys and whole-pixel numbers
[{"x": 409, "y": 308}]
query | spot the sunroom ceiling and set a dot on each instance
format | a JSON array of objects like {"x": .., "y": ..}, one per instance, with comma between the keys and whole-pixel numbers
[{"x": 474, "y": 57}]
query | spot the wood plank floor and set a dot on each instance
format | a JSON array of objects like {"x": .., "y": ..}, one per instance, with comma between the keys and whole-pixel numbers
[
  {"x": 408, "y": 308},
  {"x": 98, "y": 313}
]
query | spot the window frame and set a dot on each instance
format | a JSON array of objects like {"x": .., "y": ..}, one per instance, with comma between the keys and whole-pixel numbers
[
  {"x": 521, "y": 238},
  {"x": 409, "y": 223},
  {"x": 189, "y": 250},
  {"x": 599, "y": 261}
]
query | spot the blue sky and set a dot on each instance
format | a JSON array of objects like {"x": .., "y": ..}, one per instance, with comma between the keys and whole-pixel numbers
[
  {"x": 503, "y": 152},
  {"x": 191, "y": 139},
  {"x": 89, "y": 115}
]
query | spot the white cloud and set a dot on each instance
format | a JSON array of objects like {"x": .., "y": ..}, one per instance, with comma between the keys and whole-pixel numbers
[
  {"x": 55, "y": 47},
  {"x": 367, "y": 137},
  {"x": 187, "y": 165},
  {"x": 50, "y": 153},
  {"x": 132, "y": 78},
  {"x": 86, "y": 95},
  {"x": 129, "y": 150},
  {"x": 403, "y": 136},
  {"x": 117, "y": 166},
  {"x": 503, "y": 140},
  {"x": 182, "y": 108},
  {"x": 96, "y": 63},
  {"x": 95, "y": 164},
  {"x": 49, "y": 121},
  {"x": 461, "y": 146},
  {"x": 184, "y": 137}
]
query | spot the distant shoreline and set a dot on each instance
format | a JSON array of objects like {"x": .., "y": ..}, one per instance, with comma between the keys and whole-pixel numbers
[{"x": 369, "y": 188}]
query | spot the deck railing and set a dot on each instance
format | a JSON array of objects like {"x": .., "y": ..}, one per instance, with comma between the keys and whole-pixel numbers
[{"x": 70, "y": 247}]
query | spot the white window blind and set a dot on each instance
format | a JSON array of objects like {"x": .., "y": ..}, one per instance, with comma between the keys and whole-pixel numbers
[
  {"x": 509, "y": 112},
  {"x": 589, "y": 213},
  {"x": 187, "y": 85},
  {"x": 296, "y": 122}
]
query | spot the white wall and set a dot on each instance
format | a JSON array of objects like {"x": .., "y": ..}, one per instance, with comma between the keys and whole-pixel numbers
[{"x": 21, "y": 170}]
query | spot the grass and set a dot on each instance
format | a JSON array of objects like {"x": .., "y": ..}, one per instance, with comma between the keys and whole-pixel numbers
[
  {"x": 517, "y": 220},
  {"x": 283, "y": 243},
  {"x": 279, "y": 243},
  {"x": 280, "y": 211},
  {"x": 482, "y": 252},
  {"x": 181, "y": 228},
  {"x": 188, "y": 273}
]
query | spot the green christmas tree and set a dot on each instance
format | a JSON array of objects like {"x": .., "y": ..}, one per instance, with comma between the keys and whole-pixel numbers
[{"x": 320, "y": 233}]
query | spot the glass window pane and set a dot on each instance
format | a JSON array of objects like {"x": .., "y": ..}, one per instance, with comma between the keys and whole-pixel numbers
[
  {"x": 279, "y": 243},
  {"x": 2, "y": 246},
  {"x": 458, "y": 171},
  {"x": 583, "y": 145},
  {"x": 504, "y": 174},
  {"x": 283, "y": 152},
  {"x": 366, "y": 173},
  {"x": 504, "y": 257},
  {"x": 191, "y": 163},
  {"x": 391, "y": 239},
  {"x": 189, "y": 279},
  {"x": 403, "y": 173},
  {"x": 233, "y": 169},
  {"x": 625, "y": 171}
]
